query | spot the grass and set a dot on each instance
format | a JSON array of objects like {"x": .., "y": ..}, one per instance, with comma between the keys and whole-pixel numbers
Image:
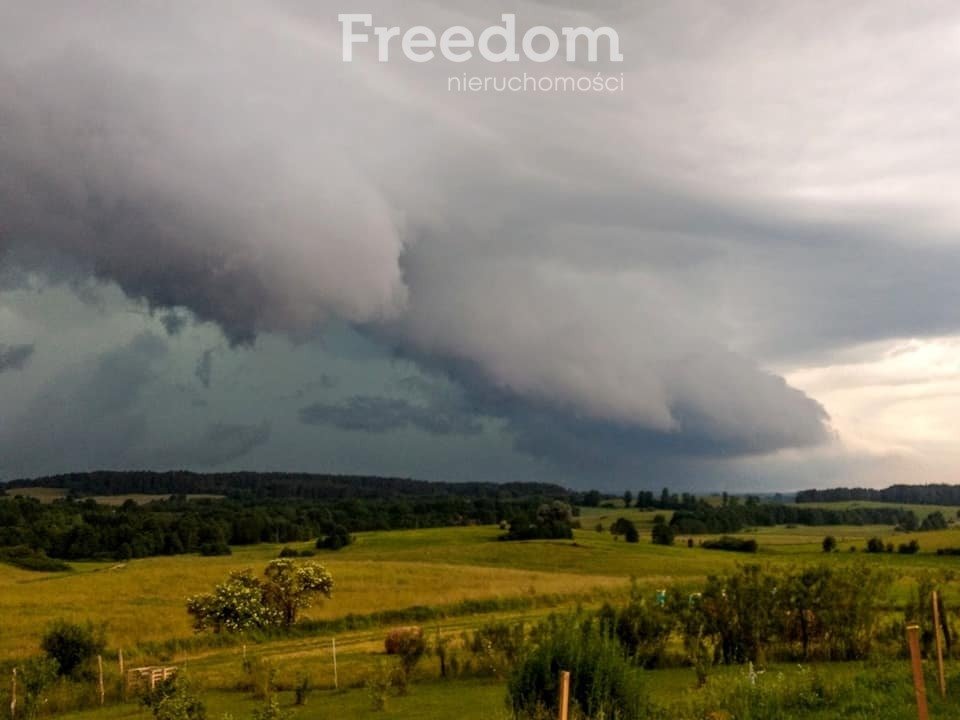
[{"x": 142, "y": 602}]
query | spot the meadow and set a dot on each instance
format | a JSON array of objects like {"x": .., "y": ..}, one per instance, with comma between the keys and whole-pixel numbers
[{"x": 450, "y": 580}]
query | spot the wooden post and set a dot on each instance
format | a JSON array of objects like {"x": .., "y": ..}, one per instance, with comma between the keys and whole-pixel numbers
[
  {"x": 936, "y": 633},
  {"x": 336, "y": 682},
  {"x": 100, "y": 672},
  {"x": 120, "y": 660},
  {"x": 913, "y": 639},
  {"x": 13, "y": 696},
  {"x": 564, "y": 694}
]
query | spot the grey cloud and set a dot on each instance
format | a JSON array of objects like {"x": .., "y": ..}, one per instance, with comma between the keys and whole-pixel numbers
[
  {"x": 219, "y": 443},
  {"x": 378, "y": 415},
  {"x": 15, "y": 357},
  {"x": 86, "y": 418},
  {"x": 615, "y": 282},
  {"x": 204, "y": 369}
]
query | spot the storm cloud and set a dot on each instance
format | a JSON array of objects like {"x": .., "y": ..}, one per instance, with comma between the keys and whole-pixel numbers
[
  {"x": 14, "y": 357},
  {"x": 611, "y": 279}
]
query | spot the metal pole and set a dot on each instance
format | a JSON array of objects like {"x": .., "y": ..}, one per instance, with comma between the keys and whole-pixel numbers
[{"x": 913, "y": 639}]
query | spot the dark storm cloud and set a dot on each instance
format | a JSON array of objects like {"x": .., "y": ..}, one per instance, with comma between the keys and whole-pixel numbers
[
  {"x": 204, "y": 369},
  {"x": 220, "y": 443},
  {"x": 379, "y": 414},
  {"x": 611, "y": 284},
  {"x": 86, "y": 418},
  {"x": 14, "y": 357}
]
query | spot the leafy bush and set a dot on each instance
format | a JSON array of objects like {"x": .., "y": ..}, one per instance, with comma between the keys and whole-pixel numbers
[
  {"x": 336, "y": 538},
  {"x": 35, "y": 676},
  {"x": 244, "y": 602},
  {"x": 72, "y": 644},
  {"x": 829, "y": 544},
  {"x": 552, "y": 521},
  {"x": 603, "y": 682},
  {"x": 874, "y": 545},
  {"x": 731, "y": 543},
  {"x": 662, "y": 534},
  {"x": 27, "y": 558},
  {"x": 909, "y": 548},
  {"x": 175, "y": 699}
]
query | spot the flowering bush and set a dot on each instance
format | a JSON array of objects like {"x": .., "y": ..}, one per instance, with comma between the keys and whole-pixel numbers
[{"x": 244, "y": 602}]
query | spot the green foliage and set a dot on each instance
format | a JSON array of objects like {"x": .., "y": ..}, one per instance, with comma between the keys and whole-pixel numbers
[
  {"x": 934, "y": 521},
  {"x": 244, "y": 602},
  {"x": 34, "y": 676},
  {"x": 642, "y": 630},
  {"x": 874, "y": 545},
  {"x": 731, "y": 544},
  {"x": 603, "y": 681},
  {"x": 829, "y": 544},
  {"x": 271, "y": 710},
  {"x": 72, "y": 644},
  {"x": 662, "y": 533},
  {"x": 27, "y": 558},
  {"x": 234, "y": 605},
  {"x": 336, "y": 537},
  {"x": 291, "y": 587},
  {"x": 551, "y": 521},
  {"x": 910, "y": 548},
  {"x": 175, "y": 699}
]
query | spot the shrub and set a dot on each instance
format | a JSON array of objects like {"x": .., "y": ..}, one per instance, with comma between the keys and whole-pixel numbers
[
  {"x": 175, "y": 699},
  {"x": 337, "y": 537},
  {"x": 27, "y": 558},
  {"x": 603, "y": 682},
  {"x": 288, "y": 552},
  {"x": 829, "y": 544},
  {"x": 35, "y": 675},
  {"x": 72, "y": 644},
  {"x": 909, "y": 548},
  {"x": 271, "y": 710},
  {"x": 662, "y": 534},
  {"x": 732, "y": 544},
  {"x": 874, "y": 545}
]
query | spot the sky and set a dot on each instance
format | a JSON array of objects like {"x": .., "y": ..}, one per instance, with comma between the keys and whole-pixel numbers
[{"x": 223, "y": 247}]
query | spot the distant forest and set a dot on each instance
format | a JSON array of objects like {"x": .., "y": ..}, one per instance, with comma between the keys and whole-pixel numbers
[
  {"x": 255, "y": 507},
  {"x": 913, "y": 494},
  {"x": 250, "y": 508}
]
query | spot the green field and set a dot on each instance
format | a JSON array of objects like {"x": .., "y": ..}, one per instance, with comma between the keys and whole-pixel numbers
[{"x": 142, "y": 604}]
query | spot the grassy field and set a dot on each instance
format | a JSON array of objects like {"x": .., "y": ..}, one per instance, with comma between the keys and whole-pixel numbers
[{"x": 142, "y": 602}]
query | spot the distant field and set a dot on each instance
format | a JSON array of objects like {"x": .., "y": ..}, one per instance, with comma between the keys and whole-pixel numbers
[{"x": 142, "y": 601}]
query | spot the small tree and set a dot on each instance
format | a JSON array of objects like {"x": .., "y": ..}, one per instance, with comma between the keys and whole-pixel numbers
[
  {"x": 291, "y": 587},
  {"x": 175, "y": 699},
  {"x": 234, "y": 605},
  {"x": 829, "y": 544},
  {"x": 244, "y": 602},
  {"x": 874, "y": 545},
  {"x": 336, "y": 537},
  {"x": 72, "y": 644},
  {"x": 662, "y": 534}
]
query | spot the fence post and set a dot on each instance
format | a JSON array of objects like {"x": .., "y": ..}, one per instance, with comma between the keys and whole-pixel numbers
[
  {"x": 913, "y": 638},
  {"x": 120, "y": 660},
  {"x": 936, "y": 633},
  {"x": 564, "y": 694},
  {"x": 13, "y": 696},
  {"x": 100, "y": 676},
  {"x": 336, "y": 682}
]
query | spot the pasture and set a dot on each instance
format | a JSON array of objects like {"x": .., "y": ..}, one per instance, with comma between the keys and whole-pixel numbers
[{"x": 464, "y": 576}]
